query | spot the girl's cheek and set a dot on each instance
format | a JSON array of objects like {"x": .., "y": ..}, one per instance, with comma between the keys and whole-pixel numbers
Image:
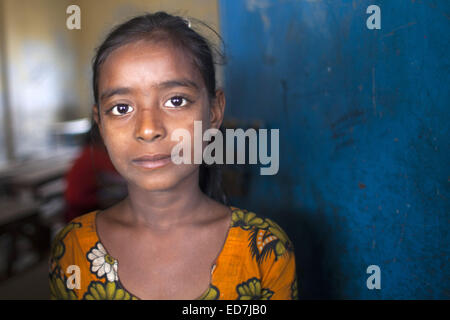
[{"x": 115, "y": 142}]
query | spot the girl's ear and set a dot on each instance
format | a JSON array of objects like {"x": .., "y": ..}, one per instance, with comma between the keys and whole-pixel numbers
[{"x": 217, "y": 109}]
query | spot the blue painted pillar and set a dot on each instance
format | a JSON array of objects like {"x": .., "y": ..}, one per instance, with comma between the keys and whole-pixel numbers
[{"x": 364, "y": 137}]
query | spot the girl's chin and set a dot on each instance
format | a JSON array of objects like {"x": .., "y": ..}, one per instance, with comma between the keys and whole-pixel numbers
[
  {"x": 165, "y": 181},
  {"x": 154, "y": 185}
]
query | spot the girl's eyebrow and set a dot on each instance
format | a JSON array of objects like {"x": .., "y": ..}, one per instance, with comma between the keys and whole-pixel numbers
[
  {"x": 113, "y": 91},
  {"x": 162, "y": 85},
  {"x": 178, "y": 83}
]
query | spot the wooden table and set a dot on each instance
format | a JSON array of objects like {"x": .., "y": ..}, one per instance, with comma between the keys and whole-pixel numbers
[
  {"x": 21, "y": 219},
  {"x": 29, "y": 177},
  {"x": 20, "y": 215}
]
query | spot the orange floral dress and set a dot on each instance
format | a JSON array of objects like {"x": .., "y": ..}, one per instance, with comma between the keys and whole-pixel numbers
[{"x": 257, "y": 262}]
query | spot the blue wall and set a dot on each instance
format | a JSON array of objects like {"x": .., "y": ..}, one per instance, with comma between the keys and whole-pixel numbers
[{"x": 364, "y": 141}]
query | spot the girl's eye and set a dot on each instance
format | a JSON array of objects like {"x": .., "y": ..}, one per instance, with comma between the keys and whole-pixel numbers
[
  {"x": 121, "y": 109},
  {"x": 176, "y": 102}
]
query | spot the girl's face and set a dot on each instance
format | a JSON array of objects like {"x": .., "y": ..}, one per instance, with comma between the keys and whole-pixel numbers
[{"x": 146, "y": 91}]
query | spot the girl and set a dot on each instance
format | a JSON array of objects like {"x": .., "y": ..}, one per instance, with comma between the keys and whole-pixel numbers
[{"x": 173, "y": 235}]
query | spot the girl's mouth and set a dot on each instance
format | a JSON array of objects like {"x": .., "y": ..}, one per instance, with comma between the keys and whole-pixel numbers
[{"x": 151, "y": 161}]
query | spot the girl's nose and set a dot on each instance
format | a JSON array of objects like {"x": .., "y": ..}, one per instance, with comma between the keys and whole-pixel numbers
[{"x": 149, "y": 126}]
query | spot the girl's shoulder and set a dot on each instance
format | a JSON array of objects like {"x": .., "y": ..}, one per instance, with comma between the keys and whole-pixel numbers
[
  {"x": 258, "y": 260},
  {"x": 74, "y": 237},
  {"x": 250, "y": 221},
  {"x": 80, "y": 227},
  {"x": 262, "y": 235}
]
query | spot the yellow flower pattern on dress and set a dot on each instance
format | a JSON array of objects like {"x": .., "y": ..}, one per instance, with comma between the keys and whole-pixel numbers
[
  {"x": 58, "y": 289},
  {"x": 252, "y": 290},
  {"x": 107, "y": 291},
  {"x": 247, "y": 220},
  {"x": 294, "y": 291},
  {"x": 256, "y": 262},
  {"x": 58, "y": 247},
  {"x": 211, "y": 294}
]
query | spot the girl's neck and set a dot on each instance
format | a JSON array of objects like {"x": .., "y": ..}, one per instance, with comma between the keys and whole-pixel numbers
[{"x": 165, "y": 210}]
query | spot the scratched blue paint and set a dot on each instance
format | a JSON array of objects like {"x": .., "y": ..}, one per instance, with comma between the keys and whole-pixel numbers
[{"x": 364, "y": 140}]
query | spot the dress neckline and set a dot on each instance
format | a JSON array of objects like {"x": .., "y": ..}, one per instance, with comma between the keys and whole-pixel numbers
[{"x": 213, "y": 266}]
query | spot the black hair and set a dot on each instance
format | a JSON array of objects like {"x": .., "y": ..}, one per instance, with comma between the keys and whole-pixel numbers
[{"x": 161, "y": 26}]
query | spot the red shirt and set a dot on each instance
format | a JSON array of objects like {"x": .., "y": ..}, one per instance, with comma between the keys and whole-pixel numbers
[{"x": 83, "y": 181}]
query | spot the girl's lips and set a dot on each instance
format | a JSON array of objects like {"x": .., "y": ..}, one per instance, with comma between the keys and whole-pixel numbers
[{"x": 152, "y": 161}]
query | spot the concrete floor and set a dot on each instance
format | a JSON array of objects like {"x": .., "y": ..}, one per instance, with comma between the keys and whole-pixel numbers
[{"x": 29, "y": 285}]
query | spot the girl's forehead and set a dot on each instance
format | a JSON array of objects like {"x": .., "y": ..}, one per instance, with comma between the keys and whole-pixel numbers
[{"x": 149, "y": 61}]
